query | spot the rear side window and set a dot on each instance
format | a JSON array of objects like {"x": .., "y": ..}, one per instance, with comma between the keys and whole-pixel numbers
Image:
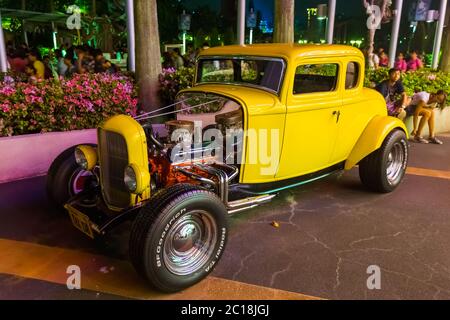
[
  {"x": 310, "y": 78},
  {"x": 352, "y": 76}
]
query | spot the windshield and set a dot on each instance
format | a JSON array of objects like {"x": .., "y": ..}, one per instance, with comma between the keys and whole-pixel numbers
[{"x": 266, "y": 73}]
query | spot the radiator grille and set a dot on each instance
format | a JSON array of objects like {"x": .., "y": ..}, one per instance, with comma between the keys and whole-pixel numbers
[{"x": 113, "y": 161}]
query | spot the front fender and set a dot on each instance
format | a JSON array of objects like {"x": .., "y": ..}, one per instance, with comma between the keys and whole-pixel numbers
[{"x": 372, "y": 138}]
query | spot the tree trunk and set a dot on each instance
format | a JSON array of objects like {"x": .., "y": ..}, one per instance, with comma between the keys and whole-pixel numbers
[
  {"x": 23, "y": 5},
  {"x": 148, "y": 54},
  {"x": 94, "y": 8},
  {"x": 284, "y": 21},
  {"x": 445, "y": 61}
]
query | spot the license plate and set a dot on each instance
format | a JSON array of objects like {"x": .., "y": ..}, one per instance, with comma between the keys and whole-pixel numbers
[{"x": 80, "y": 221}]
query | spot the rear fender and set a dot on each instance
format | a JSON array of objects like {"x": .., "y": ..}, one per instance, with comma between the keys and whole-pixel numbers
[{"x": 373, "y": 137}]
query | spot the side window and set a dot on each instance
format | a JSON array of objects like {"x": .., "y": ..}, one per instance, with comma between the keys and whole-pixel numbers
[
  {"x": 311, "y": 78},
  {"x": 352, "y": 76}
]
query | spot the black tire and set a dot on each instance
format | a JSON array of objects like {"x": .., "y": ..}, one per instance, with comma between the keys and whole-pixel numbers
[
  {"x": 59, "y": 178},
  {"x": 155, "y": 223},
  {"x": 373, "y": 170}
]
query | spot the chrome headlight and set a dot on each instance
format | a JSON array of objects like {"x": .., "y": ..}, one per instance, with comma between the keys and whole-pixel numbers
[
  {"x": 86, "y": 157},
  {"x": 130, "y": 179},
  {"x": 136, "y": 179},
  {"x": 81, "y": 159}
]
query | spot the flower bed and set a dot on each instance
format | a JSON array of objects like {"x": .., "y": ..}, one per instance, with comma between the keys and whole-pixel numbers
[
  {"x": 172, "y": 81},
  {"x": 81, "y": 102}
]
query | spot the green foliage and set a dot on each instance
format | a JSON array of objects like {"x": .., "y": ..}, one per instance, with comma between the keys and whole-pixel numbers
[
  {"x": 427, "y": 80},
  {"x": 422, "y": 80},
  {"x": 211, "y": 103}
]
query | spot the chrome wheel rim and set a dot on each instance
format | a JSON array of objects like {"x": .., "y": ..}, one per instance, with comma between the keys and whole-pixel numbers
[
  {"x": 190, "y": 242},
  {"x": 395, "y": 161},
  {"x": 77, "y": 181}
]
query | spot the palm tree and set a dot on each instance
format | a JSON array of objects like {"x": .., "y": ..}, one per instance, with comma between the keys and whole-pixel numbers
[
  {"x": 284, "y": 21},
  {"x": 148, "y": 54}
]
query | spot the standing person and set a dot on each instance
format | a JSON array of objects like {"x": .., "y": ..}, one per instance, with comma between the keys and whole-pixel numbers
[
  {"x": 99, "y": 61},
  {"x": 167, "y": 60},
  {"x": 394, "y": 93},
  {"x": 423, "y": 104},
  {"x": 400, "y": 63},
  {"x": 80, "y": 61},
  {"x": 35, "y": 60},
  {"x": 31, "y": 73},
  {"x": 190, "y": 56},
  {"x": 19, "y": 61},
  {"x": 69, "y": 61},
  {"x": 414, "y": 63},
  {"x": 373, "y": 61},
  {"x": 61, "y": 66},
  {"x": 384, "y": 60},
  {"x": 177, "y": 58}
]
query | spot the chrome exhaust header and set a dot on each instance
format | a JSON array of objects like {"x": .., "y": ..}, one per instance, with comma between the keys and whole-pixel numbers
[{"x": 224, "y": 174}]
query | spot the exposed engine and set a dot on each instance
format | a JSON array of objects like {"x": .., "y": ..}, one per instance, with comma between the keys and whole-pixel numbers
[{"x": 202, "y": 148}]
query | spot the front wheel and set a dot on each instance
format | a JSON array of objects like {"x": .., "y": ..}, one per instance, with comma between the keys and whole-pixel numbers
[
  {"x": 66, "y": 179},
  {"x": 384, "y": 169},
  {"x": 178, "y": 237}
]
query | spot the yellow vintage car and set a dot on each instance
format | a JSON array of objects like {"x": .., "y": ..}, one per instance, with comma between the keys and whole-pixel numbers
[{"x": 259, "y": 119}]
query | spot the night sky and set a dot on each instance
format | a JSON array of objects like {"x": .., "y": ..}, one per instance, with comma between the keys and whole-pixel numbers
[
  {"x": 266, "y": 6},
  {"x": 348, "y": 8}
]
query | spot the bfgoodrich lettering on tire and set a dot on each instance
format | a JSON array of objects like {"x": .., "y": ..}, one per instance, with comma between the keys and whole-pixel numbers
[
  {"x": 384, "y": 169},
  {"x": 178, "y": 237}
]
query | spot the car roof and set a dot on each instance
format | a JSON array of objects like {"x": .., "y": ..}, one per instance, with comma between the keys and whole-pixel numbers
[{"x": 284, "y": 50}]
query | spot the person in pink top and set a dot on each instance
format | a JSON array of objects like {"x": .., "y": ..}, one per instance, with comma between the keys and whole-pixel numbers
[
  {"x": 384, "y": 60},
  {"x": 400, "y": 63},
  {"x": 414, "y": 62}
]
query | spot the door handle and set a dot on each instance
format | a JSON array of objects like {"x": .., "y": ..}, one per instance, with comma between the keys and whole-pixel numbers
[{"x": 337, "y": 114}]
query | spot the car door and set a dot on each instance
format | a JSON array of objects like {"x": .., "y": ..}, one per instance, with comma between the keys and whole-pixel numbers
[
  {"x": 354, "y": 112},
  {"x": 313, "y": 105}
]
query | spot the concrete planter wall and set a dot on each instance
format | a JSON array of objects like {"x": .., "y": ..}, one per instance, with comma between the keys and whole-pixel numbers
[
  {"x": 31, "y": 155},
  {"x": 442, "y": 122}
]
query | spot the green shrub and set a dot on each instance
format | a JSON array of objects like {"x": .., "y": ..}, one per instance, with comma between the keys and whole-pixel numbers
[{"x": 422, "y": 80}]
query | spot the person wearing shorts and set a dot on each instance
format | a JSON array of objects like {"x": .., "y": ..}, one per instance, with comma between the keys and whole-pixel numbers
[{"x": 423, "y": 105}]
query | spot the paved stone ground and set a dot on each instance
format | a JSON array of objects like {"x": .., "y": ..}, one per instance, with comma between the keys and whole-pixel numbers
[{"x": 330, "y": 232}]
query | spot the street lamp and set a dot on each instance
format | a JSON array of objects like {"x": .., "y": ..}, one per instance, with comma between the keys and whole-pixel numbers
[
  {"x": 184, "y": 24},
  {"x": 327, "y": 12},
  {"x": 440, "y": 16},
  {"x": 432, "y": 16},
  {"x": 251, "y": 23},
  {"x": 322, "y": 11},
  {"x": 3, "y": 58}
]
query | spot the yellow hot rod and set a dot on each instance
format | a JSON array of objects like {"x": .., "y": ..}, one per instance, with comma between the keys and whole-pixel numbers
[{"x": 259, "y": 119}]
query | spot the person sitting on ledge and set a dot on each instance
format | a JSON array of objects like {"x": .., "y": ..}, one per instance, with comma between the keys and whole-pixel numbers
[
  {"x": 423, "y": 104},
  {"x": 394, "y": 93}
]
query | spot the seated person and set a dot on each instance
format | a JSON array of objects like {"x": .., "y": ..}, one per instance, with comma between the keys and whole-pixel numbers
[
  {"x": 394, "y": 93},
  {"x": 423, "y": 104}
]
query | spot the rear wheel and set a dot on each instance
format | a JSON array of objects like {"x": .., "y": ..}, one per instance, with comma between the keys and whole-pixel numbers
[
  {"x": 384, "y": 169},
  {"x": 178, "y": 237}
]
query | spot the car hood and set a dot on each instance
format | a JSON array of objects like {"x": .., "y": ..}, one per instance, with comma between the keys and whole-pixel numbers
[{"x": 254, "y": 101}]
